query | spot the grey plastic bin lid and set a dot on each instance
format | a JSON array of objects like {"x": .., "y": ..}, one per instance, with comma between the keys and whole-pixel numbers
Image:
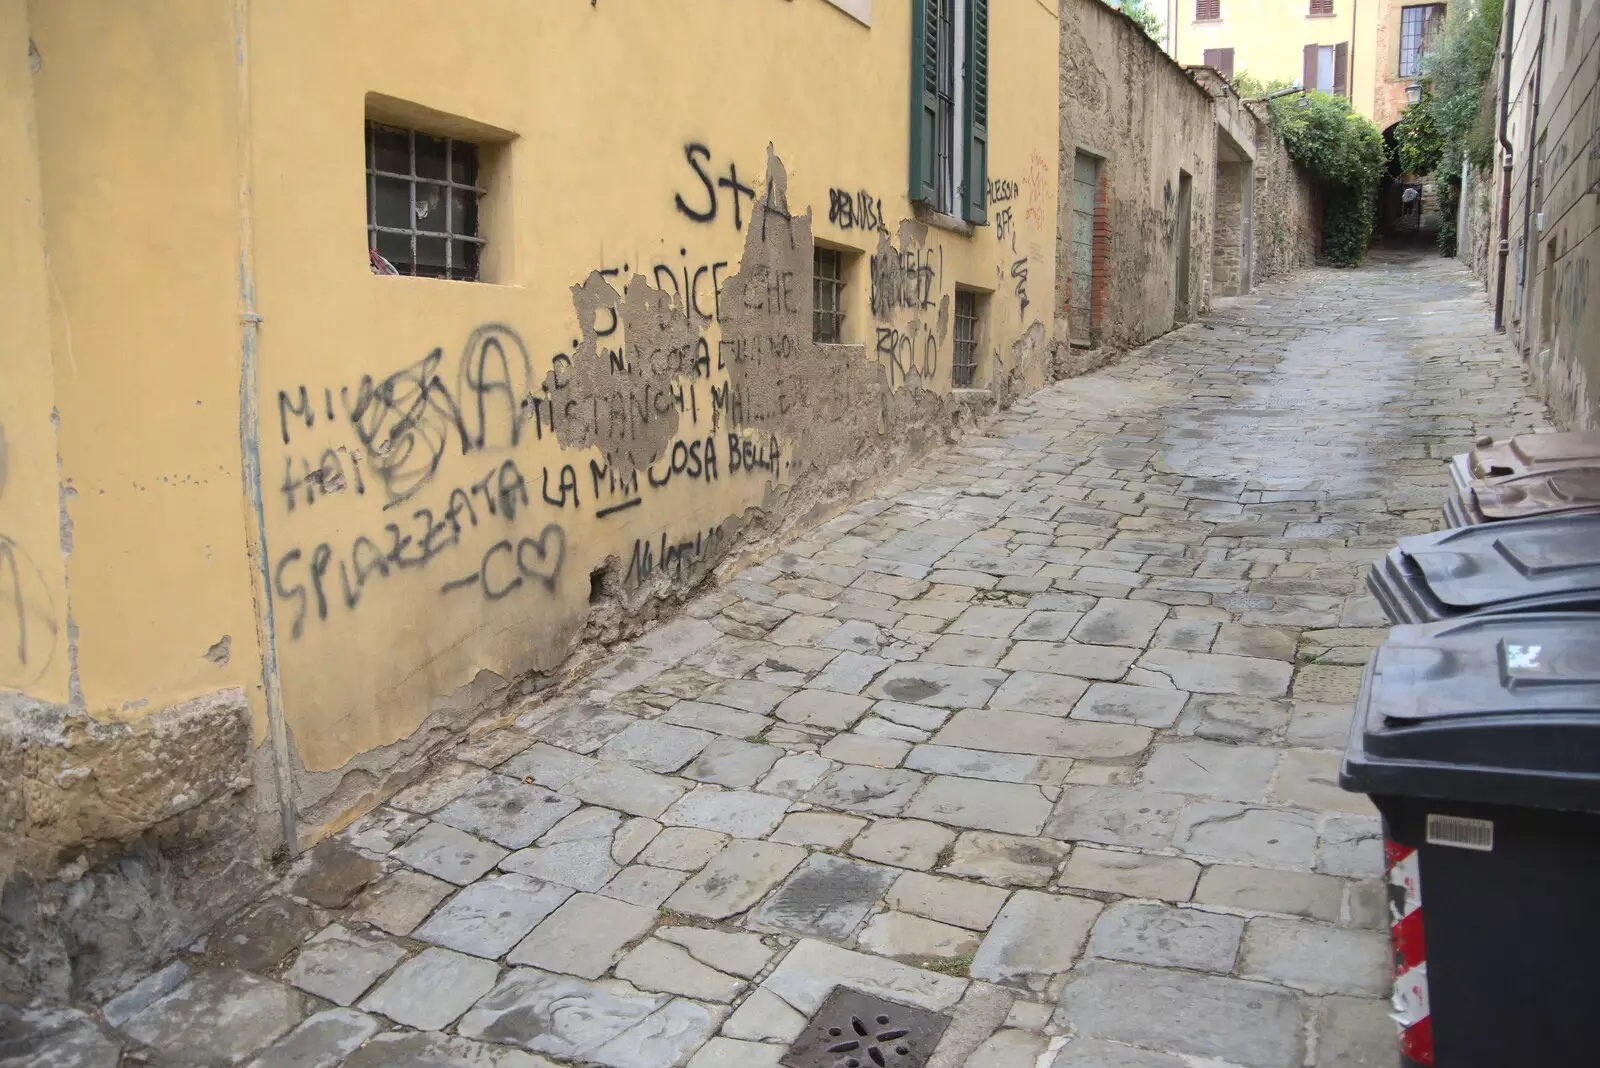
[
  {"x": 1502, "y": 709},
  {"x": 1474, "y": 567}
]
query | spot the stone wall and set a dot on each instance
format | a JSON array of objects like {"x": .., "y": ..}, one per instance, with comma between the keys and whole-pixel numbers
[
  {"x": 1127, "y": 103},
  {"x": 1552, "y": 269},
  {"x": 1287, "y": 214},
  {"x": 1150, "y": 122}
]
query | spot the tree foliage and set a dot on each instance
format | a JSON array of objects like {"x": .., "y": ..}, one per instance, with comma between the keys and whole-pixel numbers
[
  {"x": 1456, "y": 70},
  {"x": 1419, "y": 146},
  {"x": 1247, "y": 85},
  {"x": 1344, "y": 153},
  {"x": 1144, "y": 15}
]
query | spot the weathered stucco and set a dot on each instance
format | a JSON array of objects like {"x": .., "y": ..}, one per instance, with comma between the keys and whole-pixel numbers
[
  {"x": 1149, "y": 121},
  {"x": 1551, "y": 311},
  {"x": 1124, "y": 101}
]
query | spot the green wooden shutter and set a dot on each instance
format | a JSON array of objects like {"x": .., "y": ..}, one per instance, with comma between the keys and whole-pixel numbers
[
  {"x": 974, "y": 202},
  {"x": 924, "y": 95}
]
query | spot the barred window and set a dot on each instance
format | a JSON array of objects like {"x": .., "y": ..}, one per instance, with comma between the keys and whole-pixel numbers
[
  {"x": 422, "y": 204},
  {"x": 827, "y": 291},
  {"x": 1418, "y": 27},
  {"x": 963, "y": 368}
]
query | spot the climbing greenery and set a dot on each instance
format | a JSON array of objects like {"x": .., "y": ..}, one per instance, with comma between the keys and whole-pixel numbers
[
  {"x": 1455, "y": 70},
  {"x": 1344, "y": 153},
  {"x": 1418, "y": 144}
]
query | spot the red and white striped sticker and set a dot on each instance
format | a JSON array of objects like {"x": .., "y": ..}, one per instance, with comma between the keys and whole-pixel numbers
[{"x": 1411, "y": 1010}]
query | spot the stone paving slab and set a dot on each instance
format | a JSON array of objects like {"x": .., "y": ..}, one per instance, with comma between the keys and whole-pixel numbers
[{"x": 1044, "y": 733}]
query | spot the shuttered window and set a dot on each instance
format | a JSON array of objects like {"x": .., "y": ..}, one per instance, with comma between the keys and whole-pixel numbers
[
  {"x": 950, "y": 106},
  {"x": 1221, "y": 60},
  {"x": 1321, "y": 7},
  {"x": 1207, "y": 10},
  {"x": 1327, "y": 68}
]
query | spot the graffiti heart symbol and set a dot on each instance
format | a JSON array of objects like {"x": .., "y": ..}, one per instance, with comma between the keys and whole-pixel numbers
[{"x": 538, "y": 561}]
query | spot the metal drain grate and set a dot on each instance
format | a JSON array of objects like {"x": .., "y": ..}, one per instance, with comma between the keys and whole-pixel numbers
[{"x": 857, "y": 1030}]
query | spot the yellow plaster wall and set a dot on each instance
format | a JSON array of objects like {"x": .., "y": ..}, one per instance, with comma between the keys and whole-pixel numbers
[
  {"x": 600, "y": 102},
  {"x": 33, "y": 601},
  {"x": 137, "y": 148},
  {"x": 1268, "y": 38}
]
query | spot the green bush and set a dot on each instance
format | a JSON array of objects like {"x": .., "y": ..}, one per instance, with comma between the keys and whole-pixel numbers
[
  {"x": 1418, "y": 144},
  {"x": 1344, "y": 153},
  {"x": 1247, "y": 85},
  {"x": 1456, "y": 71}
]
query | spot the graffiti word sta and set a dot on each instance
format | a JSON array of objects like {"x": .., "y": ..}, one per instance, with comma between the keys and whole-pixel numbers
[{"x": 702, "y": 206}]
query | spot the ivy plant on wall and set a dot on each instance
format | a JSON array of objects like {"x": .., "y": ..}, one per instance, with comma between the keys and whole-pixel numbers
[{"x": 1344, "y": 153}]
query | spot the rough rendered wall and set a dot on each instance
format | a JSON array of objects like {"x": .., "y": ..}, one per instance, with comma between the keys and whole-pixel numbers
[
  {"x": 1227, "y": 259},
  {"x": 1557, "y": 321},
  {"x": 1287, "y": 231},
  {"x": 1124, "y": 101}
]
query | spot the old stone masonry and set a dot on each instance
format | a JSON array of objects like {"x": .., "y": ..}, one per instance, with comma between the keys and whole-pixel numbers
[{"x": 1043, "y": 738}]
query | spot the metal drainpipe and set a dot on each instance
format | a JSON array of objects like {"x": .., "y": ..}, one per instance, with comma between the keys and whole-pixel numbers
[
  {"x": 1510, "y": 20},
  {"x": 1350, "y": 61},
  {"x": 1529, "y": 162}
]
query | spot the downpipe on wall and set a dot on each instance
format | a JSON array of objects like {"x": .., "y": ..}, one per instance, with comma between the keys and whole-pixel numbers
[
  {"x": 1529, "y": 162},
  {"x": 250, "y": 440},
  {"x": 1510, "y": 26}
]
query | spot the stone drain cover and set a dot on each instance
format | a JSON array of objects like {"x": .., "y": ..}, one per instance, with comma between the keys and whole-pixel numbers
[{"x": 857, "y": 1030}]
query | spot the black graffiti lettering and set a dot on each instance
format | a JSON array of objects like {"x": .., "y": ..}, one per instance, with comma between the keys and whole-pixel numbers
[
  {"x": 856, "y": 211},
  {"x": 494, "y": 590},
  {"x": 320, "y": 558},
  {"x": 566, "y": 482},
  {"x": 739, "y": 189},
  {"x": 1019, "y": 271},
  {"x": 1004, "y": 227},
  {"x": 287, "y": 407},
  {"x": 495, "y": 370},
  {"x": 693, "y": 152},
  {"x": 905, "y": 279},
  {"x": 296, "y": 592},
  {"x": 1002, "y": 189},
  {"x": 513, "y": 489}
]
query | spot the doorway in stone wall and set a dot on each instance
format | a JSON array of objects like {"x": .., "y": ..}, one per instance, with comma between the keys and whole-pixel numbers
[
  {"x": 1185, "y": 192},
  {"x": 1085, "y": 181}
]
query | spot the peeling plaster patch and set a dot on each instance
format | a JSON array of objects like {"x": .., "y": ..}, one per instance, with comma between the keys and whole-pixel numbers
[
  {"x": 221, "y": 650},
  {"x": 622, "y": 376}
]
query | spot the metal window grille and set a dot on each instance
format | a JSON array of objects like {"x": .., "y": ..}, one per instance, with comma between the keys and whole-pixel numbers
[
  {"x": 422, "y": 204},
  {"x": 1418, "y": 26},
  {"x": 965, "y": 364},
  {"x": 945, "y": 128},
  {"x": 1205, "y": 10},
  {"x": 827, "y": 290}
]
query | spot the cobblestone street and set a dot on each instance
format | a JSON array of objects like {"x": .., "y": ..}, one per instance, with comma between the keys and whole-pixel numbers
[{"x": 1044, "y": 736}]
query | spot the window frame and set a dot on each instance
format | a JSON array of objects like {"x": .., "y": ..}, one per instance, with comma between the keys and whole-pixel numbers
[
  {"x": 837, "y": 283},
  {"x": 1426, "y": 14},
  {"x": 948, "y": 172},
  {"x": 475, "y": 242},
  {"x": 964, "y": 350}
]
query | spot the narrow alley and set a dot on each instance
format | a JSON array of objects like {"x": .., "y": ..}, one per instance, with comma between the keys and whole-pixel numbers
[{"x": 1042, "y": 738}]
